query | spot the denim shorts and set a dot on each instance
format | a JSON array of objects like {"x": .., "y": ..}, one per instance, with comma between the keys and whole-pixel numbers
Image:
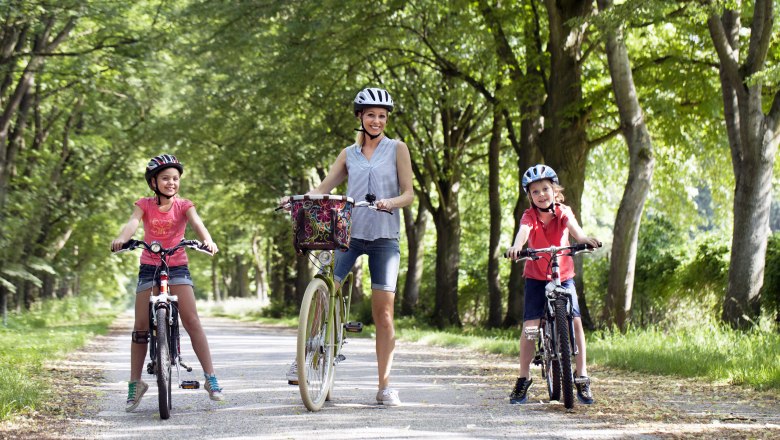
[
  {"x": 384, "y": 257},
  {"x": 177, "y": 275},
  {"x": 536, "y": 300}
]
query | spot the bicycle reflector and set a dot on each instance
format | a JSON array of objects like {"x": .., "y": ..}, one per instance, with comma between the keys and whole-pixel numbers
[{"x": 155, "y": 247}]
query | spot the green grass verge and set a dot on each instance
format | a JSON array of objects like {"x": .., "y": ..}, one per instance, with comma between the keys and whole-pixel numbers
[{"x": 34, "y": 338}]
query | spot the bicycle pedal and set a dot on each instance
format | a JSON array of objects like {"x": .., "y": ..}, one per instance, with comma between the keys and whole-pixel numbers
[
  {"x": 582, "y": 380},
  {"x": 340, "y": 358},
  {"x": 538, "y": 359},
  {"x": 150, "y": 368},
  {"x": 190, "y": 384},
  {"x": 353, "y": 327}
]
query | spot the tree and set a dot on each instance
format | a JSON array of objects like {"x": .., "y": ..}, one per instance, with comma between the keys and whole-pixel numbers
[
  {"x": 642, "y": 162},
  {"x": 754, "y": 141}
]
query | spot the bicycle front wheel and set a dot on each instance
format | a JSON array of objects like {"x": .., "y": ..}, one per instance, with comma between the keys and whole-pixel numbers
[
  {"x": 552, "y": 366},
  {"x": 163, "y": 364},
  {"x": 564, "y": 349},
  {"x": 315, "y": 345}
]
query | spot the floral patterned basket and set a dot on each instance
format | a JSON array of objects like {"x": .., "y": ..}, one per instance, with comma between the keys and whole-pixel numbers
[{"x": 321, "y": 221}]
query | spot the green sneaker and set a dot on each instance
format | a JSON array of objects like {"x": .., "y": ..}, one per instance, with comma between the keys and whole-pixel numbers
[
  {"x": 135, "y": 390},
  {"x": 212, "y": 386}
]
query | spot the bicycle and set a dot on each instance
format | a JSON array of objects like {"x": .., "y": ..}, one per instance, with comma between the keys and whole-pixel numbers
[
  {"x": 556, "y": 345},
  {"x": 164, "y": 343},
  {"x": 322, "y": 223}
]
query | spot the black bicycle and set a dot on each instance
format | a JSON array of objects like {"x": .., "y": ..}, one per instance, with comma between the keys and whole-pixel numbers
[
  {"x": 164, "y": 345},
  {"x": 556, "y": 345}
]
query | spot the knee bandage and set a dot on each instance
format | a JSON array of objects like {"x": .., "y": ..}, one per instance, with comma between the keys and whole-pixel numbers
[{"x": 140, "y": 337}]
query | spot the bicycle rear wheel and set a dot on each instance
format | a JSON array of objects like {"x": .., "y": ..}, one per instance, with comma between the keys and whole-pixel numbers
[
  {"x": 315, "y": 345},
  {"x": 564, "y": 350},
  {"x": 552, "y": 367},
  {"x": 163, "y": 364}
]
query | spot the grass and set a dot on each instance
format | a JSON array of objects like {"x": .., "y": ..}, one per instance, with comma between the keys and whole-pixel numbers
[{"x": 34, "y": 338}]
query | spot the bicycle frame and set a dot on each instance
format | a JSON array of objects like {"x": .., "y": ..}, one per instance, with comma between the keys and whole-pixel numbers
[{"x": 337, "y": 297}]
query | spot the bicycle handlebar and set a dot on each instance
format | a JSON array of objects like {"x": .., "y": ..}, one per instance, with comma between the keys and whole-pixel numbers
[
  {"x": 533, "y": 254},
  {"x": 156, "y": 248},
  {"x": 287, "y": 206}
]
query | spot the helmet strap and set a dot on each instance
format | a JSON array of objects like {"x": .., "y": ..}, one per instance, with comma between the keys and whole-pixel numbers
[
  {"x": 158, "y": 194},
  {"x": 363, "y": 129},
  {"x": 550, "y": 209}
]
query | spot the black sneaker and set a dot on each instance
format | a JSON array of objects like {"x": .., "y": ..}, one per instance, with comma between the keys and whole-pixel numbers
[
  {"x": 583, "y": 390},
  {"x": 520, "y": 393}
]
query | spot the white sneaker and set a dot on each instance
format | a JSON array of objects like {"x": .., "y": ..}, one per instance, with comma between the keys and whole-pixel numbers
[
  {"x": 292, "y": 374},
  {"x": 212, "y": 386},
  {"x": 388, "y": 397},
  {"x": 135, "y": 390}
]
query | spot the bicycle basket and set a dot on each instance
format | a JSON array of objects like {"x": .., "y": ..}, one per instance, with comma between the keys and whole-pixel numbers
[{"x": 321, "y": 222}]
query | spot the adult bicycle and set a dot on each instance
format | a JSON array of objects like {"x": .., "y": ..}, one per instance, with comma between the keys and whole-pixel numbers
[
  {"x": 164, "y": 343},
  {"x": 556, "y": 345},
  {"x": 321, "y": 226}
]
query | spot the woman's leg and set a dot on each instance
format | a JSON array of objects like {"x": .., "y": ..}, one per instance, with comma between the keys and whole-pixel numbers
[
  {"x": 189, "y": 317},
  {"x": 141, "y": 324},
  {"x": 382, "y": 309}
]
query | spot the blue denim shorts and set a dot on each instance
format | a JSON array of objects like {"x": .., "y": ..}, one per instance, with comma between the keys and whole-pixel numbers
[
  {"x": 384, "y": 257},
  {"x": 176, "y": 275},
  {"x": 536, "y": 300}
]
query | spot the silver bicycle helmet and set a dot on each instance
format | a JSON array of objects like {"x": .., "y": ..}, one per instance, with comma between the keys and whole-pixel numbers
[
  {"x": 536, "y": 173},
  {"x": 373, "y": 97}
]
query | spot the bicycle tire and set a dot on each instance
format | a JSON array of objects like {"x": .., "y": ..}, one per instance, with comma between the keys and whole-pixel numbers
[
  {"x": 163, "y": 364},
  {"x": 551, "y": 365},
  {"x": 564, "y": 350},
  {"x": 315, "y": 348}
]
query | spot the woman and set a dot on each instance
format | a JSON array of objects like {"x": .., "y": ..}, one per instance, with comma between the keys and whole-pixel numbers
[{"x": 377, "y": 169}]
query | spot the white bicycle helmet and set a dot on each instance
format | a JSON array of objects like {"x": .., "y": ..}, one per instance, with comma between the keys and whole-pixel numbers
[
  {"x": 373, "y": 97},
  {"x": 536, "y": 173}
]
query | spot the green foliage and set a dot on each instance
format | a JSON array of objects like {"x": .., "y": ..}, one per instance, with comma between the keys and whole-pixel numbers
[{"x": 35, "y": 338}]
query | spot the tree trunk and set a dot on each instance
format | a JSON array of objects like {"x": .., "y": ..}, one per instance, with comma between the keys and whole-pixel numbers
[
  {"x": 564, "y": 141},
  {"x": 494, "y": 201},
  {"x": 753, "y": 142},
  {"x": 640, "y": 173},
  {"x": 447, "y": 221},
  {"x": 415, "y": 233}
]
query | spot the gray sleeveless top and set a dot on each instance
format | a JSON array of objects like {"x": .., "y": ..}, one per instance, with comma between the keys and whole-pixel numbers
[{"x": 380, "y": 177}]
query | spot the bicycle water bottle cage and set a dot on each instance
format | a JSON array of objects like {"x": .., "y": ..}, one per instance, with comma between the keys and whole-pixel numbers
[
  {"x": 532, "y": 333},
  {"x": 353, "y": 327},
  {"x": 140, "y": 337}
]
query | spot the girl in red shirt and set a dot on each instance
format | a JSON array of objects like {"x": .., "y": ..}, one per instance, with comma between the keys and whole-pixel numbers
[
  {"x": 165, "y": 218},
  {"x": 547, "y": 223}
]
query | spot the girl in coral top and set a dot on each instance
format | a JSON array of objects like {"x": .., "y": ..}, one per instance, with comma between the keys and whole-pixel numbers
[{"x": 165, "y": 217}]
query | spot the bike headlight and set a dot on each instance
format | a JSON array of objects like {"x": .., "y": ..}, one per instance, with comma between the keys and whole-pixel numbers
[
  {"x": 155, "y": 247},
  {"x": 325, "y": 257}
]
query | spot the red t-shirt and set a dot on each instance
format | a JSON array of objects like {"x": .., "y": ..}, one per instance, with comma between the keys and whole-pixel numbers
[
  {"x": 554, "y": 233},
  {"x": 165, "y": 227}
]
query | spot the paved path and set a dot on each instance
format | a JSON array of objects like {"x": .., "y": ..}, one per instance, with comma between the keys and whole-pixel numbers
[{"x": 452, "y": 394}]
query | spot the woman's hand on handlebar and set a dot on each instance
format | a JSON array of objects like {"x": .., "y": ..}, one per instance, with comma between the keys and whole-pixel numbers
[{"x": 385, "y": 205}]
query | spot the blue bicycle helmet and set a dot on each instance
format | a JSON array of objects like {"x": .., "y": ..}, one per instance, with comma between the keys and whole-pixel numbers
[{"x": 536, "y": 173}]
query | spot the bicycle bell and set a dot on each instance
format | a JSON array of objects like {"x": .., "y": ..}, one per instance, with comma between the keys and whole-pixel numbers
[{"x": 371, "y": 198}]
